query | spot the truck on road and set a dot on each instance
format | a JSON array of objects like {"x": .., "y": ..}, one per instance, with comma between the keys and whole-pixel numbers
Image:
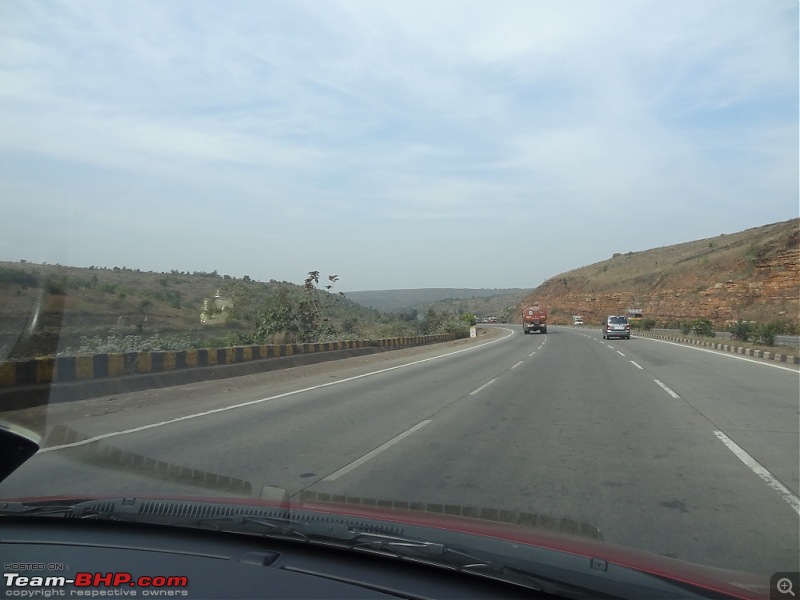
[{"x": 534, "y": 318}]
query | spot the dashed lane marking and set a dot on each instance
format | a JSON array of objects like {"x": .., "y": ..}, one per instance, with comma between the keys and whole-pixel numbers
[
  {"x": 667, "y": 389},
  {"x": 483, "y": 387}
]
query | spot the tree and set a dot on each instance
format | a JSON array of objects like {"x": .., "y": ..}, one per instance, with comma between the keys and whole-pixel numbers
[
  {"x": 299, "y": 320},
  {"x": 469, "y": 319}
]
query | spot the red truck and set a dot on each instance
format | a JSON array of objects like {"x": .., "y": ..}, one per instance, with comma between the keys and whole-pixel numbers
[{"x": 534, "y": 318}]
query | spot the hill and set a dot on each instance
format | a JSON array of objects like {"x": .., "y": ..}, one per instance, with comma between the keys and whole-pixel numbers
[
  {"x": 62, "y": 306},
  {"x": 401, "y": 300},
  {"x": 750, "y": 275},
  {"x": 502, "y": 306}
]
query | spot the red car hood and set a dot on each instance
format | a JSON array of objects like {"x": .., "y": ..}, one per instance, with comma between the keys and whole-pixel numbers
[{"x": 451, "y": 519}]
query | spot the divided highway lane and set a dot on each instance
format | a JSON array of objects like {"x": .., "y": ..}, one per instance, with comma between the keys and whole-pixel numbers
[
  {"x": 579, "y": 432},
  {"x": 290, "y": 433},
  {"x": 564, "y": 426},
  {"x": 754, "y": 402}
]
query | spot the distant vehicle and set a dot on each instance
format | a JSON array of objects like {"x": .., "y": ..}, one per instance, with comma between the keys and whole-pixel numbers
[
  {"x": 634, "y": 315},
  {"x": 616, "y": 326},
  {"x": 534, "y": 318},
  {"x": 577, "y": 320},
  {"x": 491, "y": 320}
]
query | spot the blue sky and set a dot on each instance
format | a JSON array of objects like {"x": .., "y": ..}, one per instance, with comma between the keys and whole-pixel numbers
[{"x": 398, "y": 144}]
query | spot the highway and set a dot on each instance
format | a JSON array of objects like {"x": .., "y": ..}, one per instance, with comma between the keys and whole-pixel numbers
[{"x": 677, "y": 450}]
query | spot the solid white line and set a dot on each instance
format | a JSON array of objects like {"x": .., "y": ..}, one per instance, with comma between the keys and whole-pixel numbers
[
  {"x": 723, "y": 354},
  {"x": 260, "y": 400},
  {"x": 484, "y": 386},
  {"x": 667, "y": 389},
  {"x": 620, "y": 353},
  {"x": 761, "y": 471},
  {"x": 637, "y": 365},
  {"x": 360, "y": 461},
  {"x": 518, "y": 364}
]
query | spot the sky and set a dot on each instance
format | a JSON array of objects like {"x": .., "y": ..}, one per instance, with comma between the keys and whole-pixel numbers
[{"x": 397, "y": 144}]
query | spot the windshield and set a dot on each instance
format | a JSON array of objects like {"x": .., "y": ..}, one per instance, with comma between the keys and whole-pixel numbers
[{"x": 283, "y": 249}]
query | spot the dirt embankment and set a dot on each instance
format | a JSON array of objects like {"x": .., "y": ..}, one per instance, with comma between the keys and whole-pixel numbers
[{"x": 751, "y": 275}]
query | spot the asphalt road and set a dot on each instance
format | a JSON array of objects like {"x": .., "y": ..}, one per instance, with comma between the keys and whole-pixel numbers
[{"x": 674, "y": 449}]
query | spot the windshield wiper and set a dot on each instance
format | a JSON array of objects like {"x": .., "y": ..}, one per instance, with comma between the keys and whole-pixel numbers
[
  {"x": 501, "y": 562},
  {"x": 82, "y": 509},
  {"x": 423, "y": 551}
]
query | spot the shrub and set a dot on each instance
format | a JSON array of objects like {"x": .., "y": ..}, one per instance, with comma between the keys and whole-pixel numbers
[
  {"x": 130, "y": 343},
  {"x": 56, "y": 287},
  {"x": 742, "y": 330},
  {"x": 767, "y": 332},
  {"x": 647, "y": 324},
  {"x": 19, "y": 277},
  {"x": 703, "y": 327},
  {"x": 685, "y": 327}
]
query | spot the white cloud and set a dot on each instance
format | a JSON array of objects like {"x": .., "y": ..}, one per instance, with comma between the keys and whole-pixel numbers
[{"x": 407, "y": 114}]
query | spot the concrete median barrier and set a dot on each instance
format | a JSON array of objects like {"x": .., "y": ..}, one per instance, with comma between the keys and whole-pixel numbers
[{"x": 50, "y": 379}]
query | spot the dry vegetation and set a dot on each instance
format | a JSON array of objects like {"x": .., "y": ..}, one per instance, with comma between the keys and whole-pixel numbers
[{"x": 750, "y": 275}]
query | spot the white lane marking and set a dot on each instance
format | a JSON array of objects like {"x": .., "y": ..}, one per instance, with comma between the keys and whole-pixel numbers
[
  {"x": 667, "y": 389},
  {"x": 610, "y": 346},
  {"x": 620, "y": 353},
  {"x": 518, "y": 364},
  {"x": 260, "y": 400},
  {"x": 532, "y": 353},
  {"x": 761, "y": 471},
  {"x": 484, "y": 386},
  {"x": 637, "y": 365},
  {"x": 723, "y": 354},
  {"x": 360, "y": 461}
]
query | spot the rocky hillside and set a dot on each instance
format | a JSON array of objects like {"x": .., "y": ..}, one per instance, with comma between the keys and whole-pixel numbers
[{"x": 752, "y": 275}]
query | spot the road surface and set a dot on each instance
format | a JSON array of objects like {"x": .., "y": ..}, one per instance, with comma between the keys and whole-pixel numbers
[{"x": 673, "y": 449}]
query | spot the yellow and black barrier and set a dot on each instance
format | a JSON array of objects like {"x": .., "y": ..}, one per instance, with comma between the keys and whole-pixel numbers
[{"x": 71, "y": 369}]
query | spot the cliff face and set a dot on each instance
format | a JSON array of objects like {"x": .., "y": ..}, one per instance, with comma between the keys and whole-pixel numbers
[{"x": 753, "y": 275}]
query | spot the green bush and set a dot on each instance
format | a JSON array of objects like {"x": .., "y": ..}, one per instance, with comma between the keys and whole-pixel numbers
[
  {"x": 703, "y": 327},
  {"x": 56, "y": 286},
  {"x": 647, "y": 324},
  {"x": 743, "y": 330},
  {"x": 786, "y": 327},
  {"x": 19, "y": 277},
  {"x": 685, "y": 327},
  {"x": 767, "y": 332},
  {"x": 762, "y": 333}
]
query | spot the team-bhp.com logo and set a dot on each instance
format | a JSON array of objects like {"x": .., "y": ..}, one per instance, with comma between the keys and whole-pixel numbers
[{"x": 119, "y": 583}]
